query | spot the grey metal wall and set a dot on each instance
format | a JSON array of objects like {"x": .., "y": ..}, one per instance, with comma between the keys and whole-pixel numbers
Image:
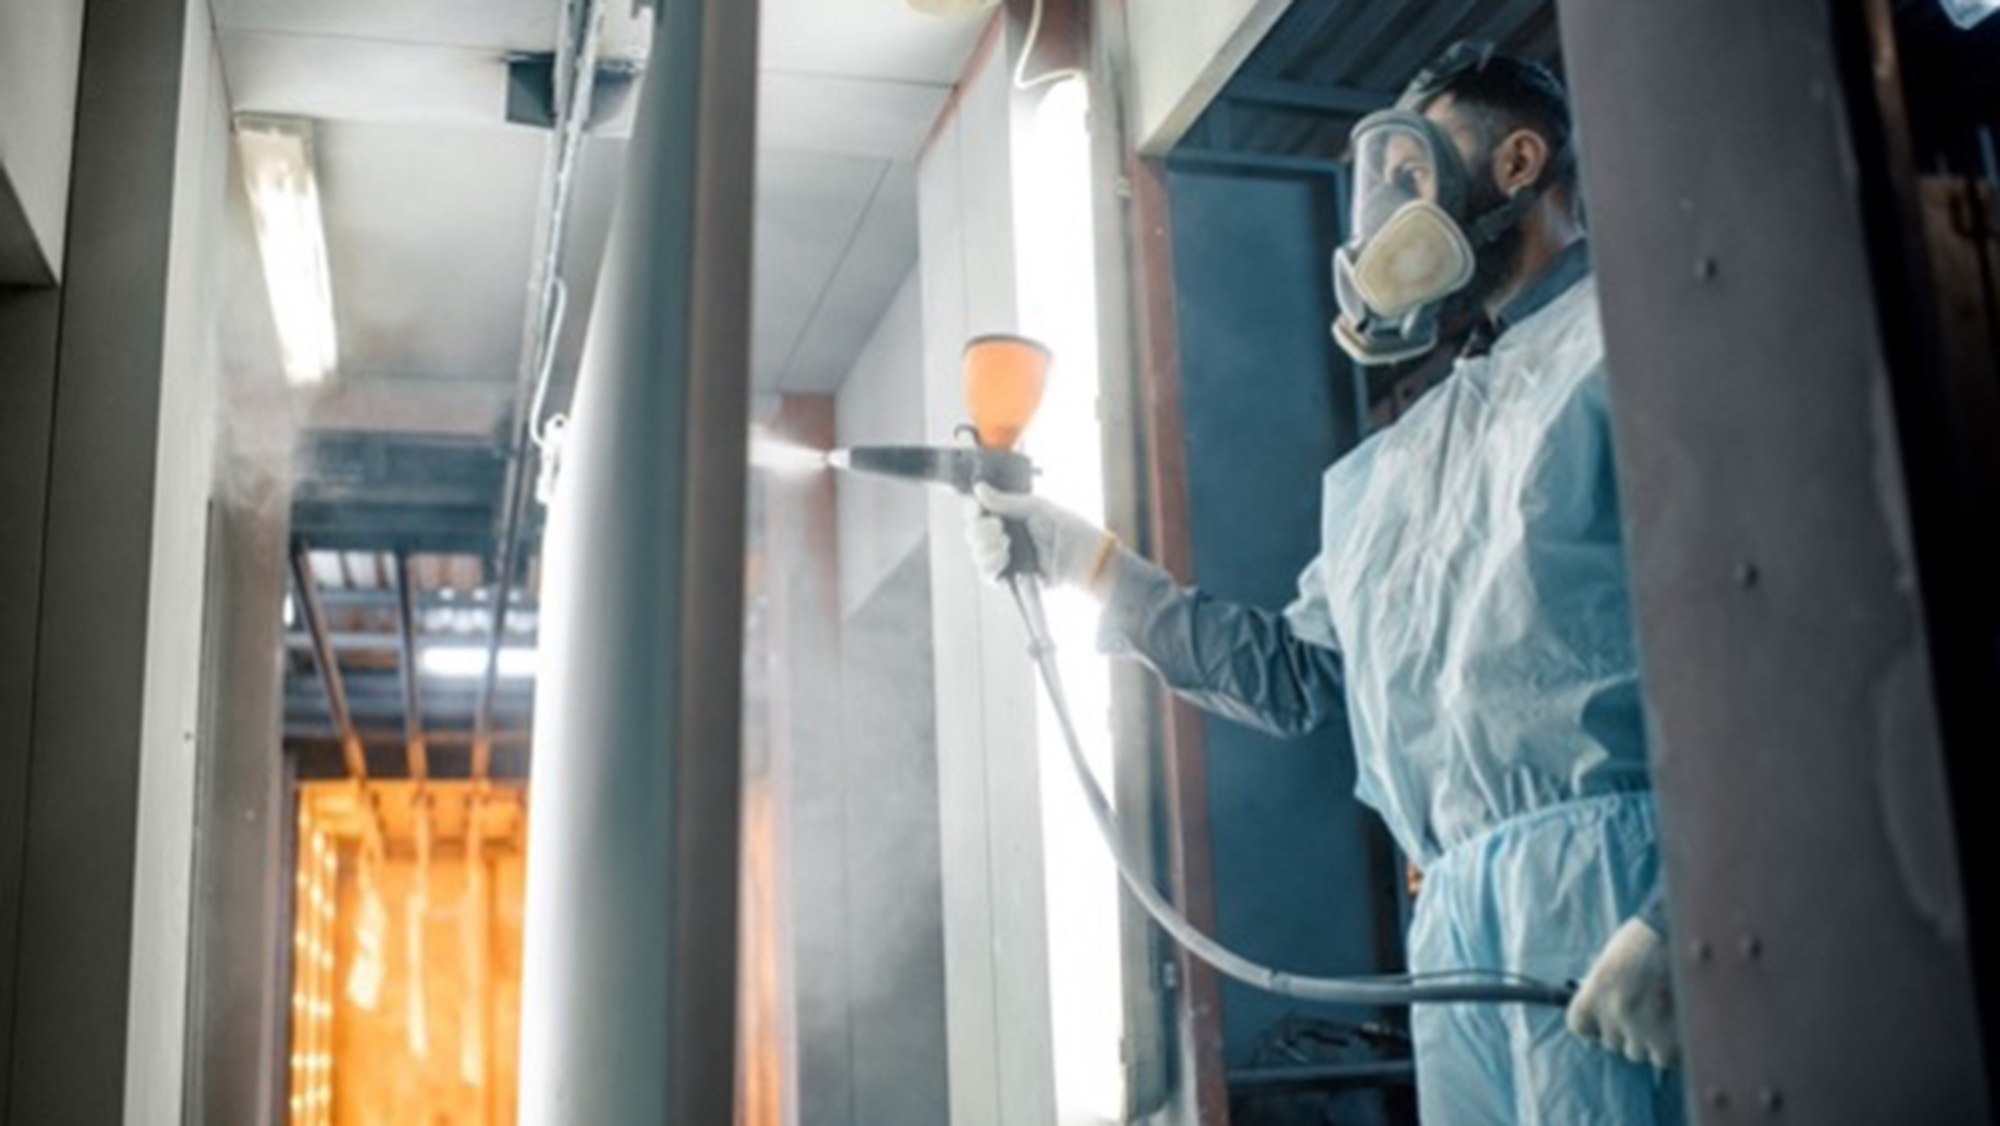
[
  {"x": 28, "y": 320},
  {"x": 237, "y": 993},
  {"x": 893, "y": 903},
  {"x": 101, "y": 583},
  {"x": 865, "y": 844},
  {"x": 989, "y": 787}
]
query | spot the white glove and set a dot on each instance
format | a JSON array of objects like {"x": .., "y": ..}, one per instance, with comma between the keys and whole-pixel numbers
[
  {"x": 1626, "y": 1002},
  {"x": 1070, "y": 549}
]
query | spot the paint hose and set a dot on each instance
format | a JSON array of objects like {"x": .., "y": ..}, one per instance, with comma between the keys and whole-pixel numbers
[{"x": 1476, "y": 986}]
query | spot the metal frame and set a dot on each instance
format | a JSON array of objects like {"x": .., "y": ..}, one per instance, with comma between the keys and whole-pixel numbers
[
  {"x": 1254, "y": 163},
  {"x": 1183, "y": 749},
  {"x": 306, "y": 589},
  {"x": 318, "y": 759},
  {"x": 406, "y": 635},
  {"x": 1281, "y": 94},
  {"x": 1322, "y": 1076}
]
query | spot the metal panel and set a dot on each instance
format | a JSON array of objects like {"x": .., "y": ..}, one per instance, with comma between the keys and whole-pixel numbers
[
  {"x": 629, "y": 990},
  {"x": 406, "y": 661},
  {"x": 1501, "y": 20},
  {"x": 73, "y": 973},
  {"x": 1328, "y": 62},
  {"x": 996, "y": 948},
  {"x": 28, "y": 321},
  {"x": 1393, "y": 67},
  {"x": 1822, "y": 954},
  {"x": 810, "y": 768},
  {"x": 1288, "y": 49},
  {"x": 235, "y": 995},
  {"x": 327, "y": 661},
  {"x": 1348, "y": 49},
  {"x": 896, "y": 1049},
  {"x": 1149, "y": 1008},
  {"x": 1319, "y": 97}
]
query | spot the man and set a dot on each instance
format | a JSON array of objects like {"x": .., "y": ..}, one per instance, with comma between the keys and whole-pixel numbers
[{"x": 1467, "y": 614}]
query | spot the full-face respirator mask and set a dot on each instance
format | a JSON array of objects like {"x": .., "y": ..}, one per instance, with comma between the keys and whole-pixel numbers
[{"x": 1413, "y": 239}]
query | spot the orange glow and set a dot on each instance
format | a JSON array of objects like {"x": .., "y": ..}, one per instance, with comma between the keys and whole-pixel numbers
[
  {"x": 314, "y": 917},
  {"x": 1004, "y": 380},
  {"x": 762, "y": 1058},
  {"x": 406, "y": 958}
]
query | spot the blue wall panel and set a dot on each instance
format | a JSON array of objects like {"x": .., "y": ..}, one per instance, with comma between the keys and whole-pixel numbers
[{"x": 1269, "y": 403}]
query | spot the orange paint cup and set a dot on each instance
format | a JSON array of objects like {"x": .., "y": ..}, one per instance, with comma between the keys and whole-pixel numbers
[{"x": 1004, "y": 379}]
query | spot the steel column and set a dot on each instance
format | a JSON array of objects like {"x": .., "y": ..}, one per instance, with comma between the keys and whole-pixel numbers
[
  {"x": 629, "y": 989},
  {"x": 1823, "y": 961}
]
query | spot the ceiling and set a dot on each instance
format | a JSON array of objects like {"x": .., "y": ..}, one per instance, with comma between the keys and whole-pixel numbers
[
  {"x": 431, "y": 195},
  {"x": 431, "y": 201}
]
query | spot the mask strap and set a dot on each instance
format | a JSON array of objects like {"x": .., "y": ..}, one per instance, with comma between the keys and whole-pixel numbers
[{"x": 1496, "y": 222}]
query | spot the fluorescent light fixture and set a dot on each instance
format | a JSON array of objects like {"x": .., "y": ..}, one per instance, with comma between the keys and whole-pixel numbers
[
  {"x": 277, "y": 160},
  {"x": 1057, "y": 299},
  {"x": 466, "y": 661}
]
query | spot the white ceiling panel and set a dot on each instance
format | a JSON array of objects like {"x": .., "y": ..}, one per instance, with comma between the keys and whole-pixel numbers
[
  {"x": 511, "y": 25},
  {"x": 431, "y": 199},
  {"x": 364, "y": 80},
  {"x": 336, "y": 79},
  {"x": 494, "y": 25},
  {"x": 860, "y": 290},
  {"x": 861, "y": 117},
  {"x": 881, "y": 39},
  {"x": 809, "y": 211},
  {"x": 428, "y": 231}
]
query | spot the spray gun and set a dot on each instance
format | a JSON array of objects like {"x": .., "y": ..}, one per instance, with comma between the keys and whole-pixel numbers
[
  {"x": 957, "y": 468},
  {"x": 1004, "y": 379}
]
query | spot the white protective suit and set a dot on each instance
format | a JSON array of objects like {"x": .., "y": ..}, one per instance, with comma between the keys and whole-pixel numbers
[{"x": 1468, "y": 615}]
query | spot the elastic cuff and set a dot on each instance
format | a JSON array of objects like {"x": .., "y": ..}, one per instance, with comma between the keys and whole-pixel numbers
[{"x": 1132, "y": 589}]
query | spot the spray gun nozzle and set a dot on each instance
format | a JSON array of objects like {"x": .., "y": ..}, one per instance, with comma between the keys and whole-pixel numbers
[{"x": 955, "y": 467}]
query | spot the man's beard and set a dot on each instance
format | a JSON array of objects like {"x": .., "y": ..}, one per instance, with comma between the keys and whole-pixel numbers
[{"x": 1495, "y": 263}]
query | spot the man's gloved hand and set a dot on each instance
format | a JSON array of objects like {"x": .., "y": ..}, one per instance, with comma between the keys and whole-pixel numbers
[
  {"x": 1626, "y": 1002},
  {"x": 1072, "y": 550}
]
